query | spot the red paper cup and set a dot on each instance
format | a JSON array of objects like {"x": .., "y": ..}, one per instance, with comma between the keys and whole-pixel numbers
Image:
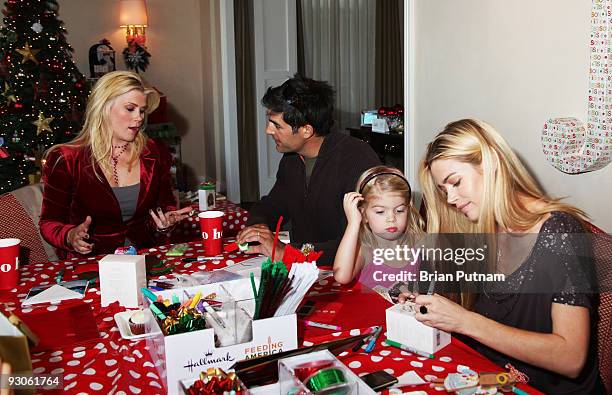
[
  {"x": 211, "y": 225},
  {"x": 9, "y": 263}
]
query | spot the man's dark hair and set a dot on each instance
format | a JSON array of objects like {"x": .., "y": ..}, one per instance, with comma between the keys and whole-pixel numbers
[{"x": 303, "y": 101}]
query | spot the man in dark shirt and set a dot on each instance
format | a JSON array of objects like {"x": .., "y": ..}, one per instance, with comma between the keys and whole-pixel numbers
[{"x": 317, "y": 168}]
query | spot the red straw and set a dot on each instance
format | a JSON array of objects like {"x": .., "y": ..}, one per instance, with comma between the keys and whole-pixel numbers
[{"x": 278, "y": 224}]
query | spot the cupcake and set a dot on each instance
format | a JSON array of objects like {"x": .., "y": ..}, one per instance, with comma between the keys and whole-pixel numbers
[{"x": 137, "y": 322}]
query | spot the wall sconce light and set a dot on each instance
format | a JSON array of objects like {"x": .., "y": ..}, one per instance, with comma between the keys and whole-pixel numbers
[{"x": 133, "y": 17}]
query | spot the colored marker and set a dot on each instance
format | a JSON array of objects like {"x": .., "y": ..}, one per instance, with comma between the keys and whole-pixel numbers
[
  {"x": 202, "y": 259},
  {"x": 320, "y": 325},
  {"x": 157, "y": 312},
  {"x": 150, "y": 295},
  {"x": 60, "y": 275},
  {"x": 195, "y": 300},
  {"x": 409, "y": 349},
  {"x": 373, "y": 339},
  {"x": 363, "y": 341}
]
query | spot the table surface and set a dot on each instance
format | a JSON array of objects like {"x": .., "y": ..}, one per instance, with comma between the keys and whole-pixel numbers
[{"x": 111, "y": 364}]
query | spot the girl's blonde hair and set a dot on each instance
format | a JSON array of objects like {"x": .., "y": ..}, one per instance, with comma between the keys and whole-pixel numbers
[
  {"x": 97, "y": 134},
  {"x": 506, "y": 183},
  {"x": 383, "y": 179}
]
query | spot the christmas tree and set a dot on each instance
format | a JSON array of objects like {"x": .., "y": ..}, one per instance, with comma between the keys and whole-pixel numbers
[{"x": 43, "y": 93}]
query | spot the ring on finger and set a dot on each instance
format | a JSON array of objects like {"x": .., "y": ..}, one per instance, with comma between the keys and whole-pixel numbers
[
  {"x": 423, "y": 309},
  {"x": 258, "y": 234}
]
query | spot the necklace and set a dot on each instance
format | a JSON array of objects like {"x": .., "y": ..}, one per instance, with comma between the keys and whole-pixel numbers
[{"x": 115, "y": 159}]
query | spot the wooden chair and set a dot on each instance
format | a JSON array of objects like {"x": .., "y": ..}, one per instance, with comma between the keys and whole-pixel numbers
[{"x": 19, "y": 215}]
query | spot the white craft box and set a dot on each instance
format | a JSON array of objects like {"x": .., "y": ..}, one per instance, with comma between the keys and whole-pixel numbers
[
  {"x": 185, "y": 355},
  {"x": 121, "y": 277},
  {"x": 403, "y": 328}
]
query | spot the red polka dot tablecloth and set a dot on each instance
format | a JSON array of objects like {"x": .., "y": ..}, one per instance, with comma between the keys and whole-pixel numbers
[
  {"x": 234, "y": 220},
  {"x": 113, "y": 365}
]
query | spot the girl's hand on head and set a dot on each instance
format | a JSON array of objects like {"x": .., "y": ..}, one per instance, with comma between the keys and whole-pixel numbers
[
  {"x": 441, "y": 313},
  {"x": 351, "y": 209}
]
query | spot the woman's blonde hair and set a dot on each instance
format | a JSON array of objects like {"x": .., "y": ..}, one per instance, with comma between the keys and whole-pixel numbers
[
  {"x": 508, "y": 188},
  {"x": 507, "y": 185},
  {"x": 379, "y": 180},
  {"x": 97, "y": 134}
]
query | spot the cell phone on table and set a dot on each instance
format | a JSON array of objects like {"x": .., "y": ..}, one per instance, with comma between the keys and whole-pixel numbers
[{"x": 380, "y": 380}]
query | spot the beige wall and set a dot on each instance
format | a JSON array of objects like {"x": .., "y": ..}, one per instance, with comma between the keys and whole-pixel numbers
[
  {"x": 178, "y": 66},
  {"x": 514, "y": 64}
]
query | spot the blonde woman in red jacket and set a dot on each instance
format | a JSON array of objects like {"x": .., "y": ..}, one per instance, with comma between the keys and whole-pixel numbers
[{"x": 110, "y": 186}]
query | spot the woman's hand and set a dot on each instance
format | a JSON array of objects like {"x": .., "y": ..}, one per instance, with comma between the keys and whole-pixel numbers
[
  {"x": 76, "y": 237},
  {"x": 351, "y": 209},
  {"x": 441, "y": 313},
  {"x": 165, "y": 221}
]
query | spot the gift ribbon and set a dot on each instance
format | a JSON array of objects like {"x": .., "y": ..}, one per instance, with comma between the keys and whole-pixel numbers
[
  {"x": 325, "y": 378},
  {"x": 307, "y": 369}
]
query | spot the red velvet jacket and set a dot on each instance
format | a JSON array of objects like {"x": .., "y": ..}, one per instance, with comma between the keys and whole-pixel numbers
[{"x": 72, "y": 191}]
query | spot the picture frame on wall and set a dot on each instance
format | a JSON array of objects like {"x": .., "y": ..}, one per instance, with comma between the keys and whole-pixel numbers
[{"x": 101, "y": 59}]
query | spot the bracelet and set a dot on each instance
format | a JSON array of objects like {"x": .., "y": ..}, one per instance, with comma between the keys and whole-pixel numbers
[{"x": 166, "y": 230}]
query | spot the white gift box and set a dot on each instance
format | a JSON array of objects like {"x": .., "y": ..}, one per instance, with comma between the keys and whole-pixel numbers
[
  {"x": 185, "y": 355},
  {"x": 121, "y": 277},
  {"x": 403, "y": 328}
]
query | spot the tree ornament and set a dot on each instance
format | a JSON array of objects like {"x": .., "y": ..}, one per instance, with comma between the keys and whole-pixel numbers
[
  {"x": 28, "y": 53},
  {"x": 10, "y": 97},
  {"x": 4, "y": 153},
  {"x": 37, "y": 27},
  {"x": 42, "y": 123},
  {"x": 52, "y": 5},
  {"x": 18, "y": 106},
  {"x": 11, "y": 36}
]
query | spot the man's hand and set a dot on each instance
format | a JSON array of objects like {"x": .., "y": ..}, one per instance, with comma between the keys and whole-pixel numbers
[
  {"x": 262, "y": 234},
  {"x": 76, "y": 237}
]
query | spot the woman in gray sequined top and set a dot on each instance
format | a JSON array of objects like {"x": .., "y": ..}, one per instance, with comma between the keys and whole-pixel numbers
[{"x": 539, "y": 319}]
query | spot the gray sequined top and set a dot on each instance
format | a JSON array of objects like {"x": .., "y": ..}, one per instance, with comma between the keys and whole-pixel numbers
[{"x": 559, "y": 269}]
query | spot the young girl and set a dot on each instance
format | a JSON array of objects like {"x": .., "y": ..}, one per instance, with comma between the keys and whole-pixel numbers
[{"x": 380, "y": 216}]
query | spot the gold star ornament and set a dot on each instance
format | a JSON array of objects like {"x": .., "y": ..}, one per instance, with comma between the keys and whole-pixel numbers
[
  {"x": 42, "y": 123},
  {"x": 10, "y": 97},
  {"x": 28, "y": 53}
]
